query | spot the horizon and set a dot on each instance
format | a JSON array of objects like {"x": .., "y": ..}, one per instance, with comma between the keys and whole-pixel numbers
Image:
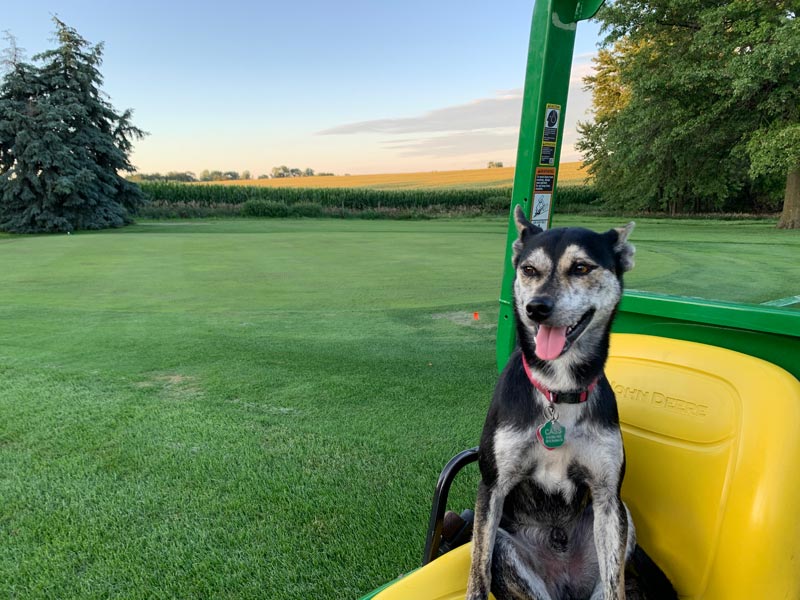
[{"x": 346, "y": 88}]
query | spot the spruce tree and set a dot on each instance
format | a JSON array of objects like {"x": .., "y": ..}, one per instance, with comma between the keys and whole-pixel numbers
[
  {"x": 20, "y": 126},
  {"x": 62, "y": 144}
]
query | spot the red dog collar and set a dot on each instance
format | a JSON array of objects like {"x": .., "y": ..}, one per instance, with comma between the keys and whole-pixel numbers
[{"x": 558, "y": 397}]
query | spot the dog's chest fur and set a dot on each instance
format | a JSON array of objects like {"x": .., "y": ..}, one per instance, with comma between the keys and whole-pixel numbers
[
  {"x": 550, "y": 487},
  {"x": 519, "y": 456}
]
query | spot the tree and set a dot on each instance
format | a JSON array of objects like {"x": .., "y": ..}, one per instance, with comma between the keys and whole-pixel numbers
[
  {"x": 282, "y": 171},
  {"x": 711, "y": 114},
  {"x": 609, "y": 97},
  {"x": 20, "y": 125},
  {"x": 183, "y": 176},
  {"x": 180, "y": 176},
  {"x": 62, "y": 145}
]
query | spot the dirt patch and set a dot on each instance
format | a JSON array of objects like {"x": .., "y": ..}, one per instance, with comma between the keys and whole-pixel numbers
[
  {"x": 174, "y": 385},
  {"x": 466, "y": 319}
]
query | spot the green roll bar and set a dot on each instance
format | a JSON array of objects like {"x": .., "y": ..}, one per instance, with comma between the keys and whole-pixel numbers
[
  {"x": 550, "y": 51},
  {"x": 765, "y": 332}
]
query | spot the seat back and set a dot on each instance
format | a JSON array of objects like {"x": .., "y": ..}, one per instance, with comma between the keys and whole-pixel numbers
[{"x": 712, "y": 441}]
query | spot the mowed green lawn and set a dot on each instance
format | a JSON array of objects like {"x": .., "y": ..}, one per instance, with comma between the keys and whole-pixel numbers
[{"x": 260, "y": 409}]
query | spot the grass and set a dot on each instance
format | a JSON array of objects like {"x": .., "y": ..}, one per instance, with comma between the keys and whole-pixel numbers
[
  {"x": 247, "y": 409},
  {"x": 569, "y": 173}
]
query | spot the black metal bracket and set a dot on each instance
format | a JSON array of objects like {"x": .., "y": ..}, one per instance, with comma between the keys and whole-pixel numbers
[{"x": 434, "y": 536}]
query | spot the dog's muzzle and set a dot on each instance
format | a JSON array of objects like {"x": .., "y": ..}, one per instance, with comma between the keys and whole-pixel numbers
[
  {"x": 553, "y": 341},
  {"x": 539, "y": 308}
]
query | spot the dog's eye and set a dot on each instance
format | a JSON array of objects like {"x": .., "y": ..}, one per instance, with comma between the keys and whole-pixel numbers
[
  {"x": 582, "y": 268},
  {"x": 529, "y": 271}
]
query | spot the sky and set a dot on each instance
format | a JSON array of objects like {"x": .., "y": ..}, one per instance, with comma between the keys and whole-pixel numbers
[{"x": 345, "y": 87}]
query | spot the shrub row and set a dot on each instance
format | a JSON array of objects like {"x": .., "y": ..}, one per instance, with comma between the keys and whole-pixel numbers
[
  {"x": 578, "y": 199},
  {"x": 269, "y": 209},
  {"x": 157, "y": 209}
]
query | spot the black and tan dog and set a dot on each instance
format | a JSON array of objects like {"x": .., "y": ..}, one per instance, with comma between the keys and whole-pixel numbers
[{"x": 549, "y": 520}]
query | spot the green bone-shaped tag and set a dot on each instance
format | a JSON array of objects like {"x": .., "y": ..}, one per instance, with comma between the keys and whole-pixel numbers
[{"x": 551, "y": 434}]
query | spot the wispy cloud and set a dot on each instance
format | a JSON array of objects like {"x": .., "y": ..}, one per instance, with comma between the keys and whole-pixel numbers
[
  {"x": 482, "y": 127},
  {"x": 502, "y": 110},
  {"x": 458, "y": 143},
  {"x": 579, "y": 71}
]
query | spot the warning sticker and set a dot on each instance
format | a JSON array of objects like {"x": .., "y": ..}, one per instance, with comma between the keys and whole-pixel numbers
[
  {"x": 548, "y": 154},
  {"x": 540, "y": 213},
  {"x": 552, "y": 116},
  {"x": 552, "y": 120},
  {"x": 544, "y": 180}
]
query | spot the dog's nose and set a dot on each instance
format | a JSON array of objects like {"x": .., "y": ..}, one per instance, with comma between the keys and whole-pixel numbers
[{"x": 540, "y": 308}]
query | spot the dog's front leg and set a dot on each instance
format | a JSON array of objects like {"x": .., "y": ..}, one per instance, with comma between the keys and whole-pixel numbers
[
  {"x": 488, "y": 510},
  {"x": 611, "y": 540}
]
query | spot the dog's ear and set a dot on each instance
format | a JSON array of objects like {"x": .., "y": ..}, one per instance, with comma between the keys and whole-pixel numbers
[
  {"x": 623, "y": 250},
  {"x": 521, "y": 221},
  {"x": 524, "y": 229}
]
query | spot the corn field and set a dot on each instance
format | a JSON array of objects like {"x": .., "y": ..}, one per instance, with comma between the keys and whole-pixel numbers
[
  {"x": 352, "y": 198},
  {"x": 181, "y": 200}
]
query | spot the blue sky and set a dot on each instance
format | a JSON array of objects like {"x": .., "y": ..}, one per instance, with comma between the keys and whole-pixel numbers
[{"x": 347, "y": 87}]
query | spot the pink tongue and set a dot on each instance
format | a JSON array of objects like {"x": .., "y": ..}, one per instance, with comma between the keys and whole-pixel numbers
[{"x": 550, "y": 342}]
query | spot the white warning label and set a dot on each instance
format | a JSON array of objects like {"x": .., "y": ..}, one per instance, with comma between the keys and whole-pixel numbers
[{"x": 540, "y": 212}]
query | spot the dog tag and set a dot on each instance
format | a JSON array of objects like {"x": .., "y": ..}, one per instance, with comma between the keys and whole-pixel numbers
[{"x": 551, "y": 434}]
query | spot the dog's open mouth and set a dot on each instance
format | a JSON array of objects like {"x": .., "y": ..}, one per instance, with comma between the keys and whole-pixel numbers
[{"x": 552, "y": 342}]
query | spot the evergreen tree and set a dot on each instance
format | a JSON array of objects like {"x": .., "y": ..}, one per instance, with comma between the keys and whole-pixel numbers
[
  {"x": 21, "y": 126},
  {"x": 62, "y": 144}
]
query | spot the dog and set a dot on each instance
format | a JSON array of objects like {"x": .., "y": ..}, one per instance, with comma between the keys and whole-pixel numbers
[{"x": 549, "y": 520}]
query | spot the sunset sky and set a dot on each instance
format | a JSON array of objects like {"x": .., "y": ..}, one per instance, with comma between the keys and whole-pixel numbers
[{"x": 347, "y": 87}]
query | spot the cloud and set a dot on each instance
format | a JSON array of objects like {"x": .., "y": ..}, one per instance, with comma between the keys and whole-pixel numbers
[
  {"x": 579, "y": 71},
  {"x": 457, "y": 143},
  {"x": 482, "y": 127},
  {"x": 503, "y": 110}
]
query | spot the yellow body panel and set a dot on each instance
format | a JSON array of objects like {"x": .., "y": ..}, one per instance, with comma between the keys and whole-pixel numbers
[
  {"x": 712, "y": 441},
  {"x": 443, "y": 579}
]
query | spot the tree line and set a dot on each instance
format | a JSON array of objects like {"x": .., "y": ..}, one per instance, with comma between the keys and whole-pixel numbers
[
  {"x": 697, "y": 107},
  {"x": 206, "y": 175}
]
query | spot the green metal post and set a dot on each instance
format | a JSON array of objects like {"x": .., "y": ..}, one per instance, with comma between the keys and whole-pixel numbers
[{"x": 541, "y": 132}]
